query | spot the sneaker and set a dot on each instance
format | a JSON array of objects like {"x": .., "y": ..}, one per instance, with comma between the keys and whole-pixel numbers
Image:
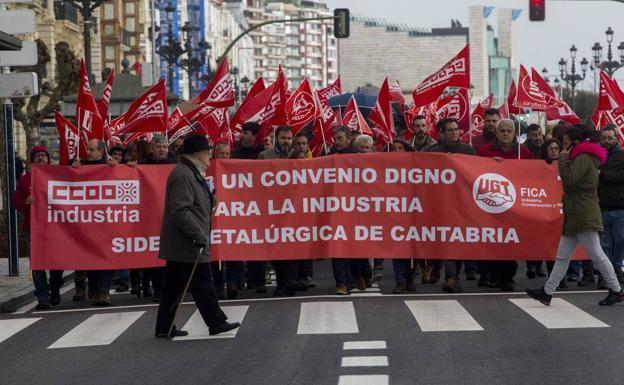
[
  {"x": 103, "y": 299},
  {"x": 310, "y": 282},
  {"x": 400, "y": 288},
  {"x": 612, "y": 298},
  {"x": 43, "y": 304},
  {"x": 539, "y": 295},
  {"x": 342, "y": 290},
  {"x": 452, "y": 286},
  {"x": 587, "y": 281},
  {"x": 55, "y": 297}
]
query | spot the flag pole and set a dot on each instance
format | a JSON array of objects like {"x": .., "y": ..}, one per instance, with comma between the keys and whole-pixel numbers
[{"x": 470, "y": 117}]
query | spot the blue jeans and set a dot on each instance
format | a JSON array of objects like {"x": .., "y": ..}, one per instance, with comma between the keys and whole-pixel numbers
[
  {"x": 612, "y": 239},
  {"x": 402, "y": 271}
]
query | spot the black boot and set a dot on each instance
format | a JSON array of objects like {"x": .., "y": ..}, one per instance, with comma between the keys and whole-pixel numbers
[{"x": 540, "y": 295}]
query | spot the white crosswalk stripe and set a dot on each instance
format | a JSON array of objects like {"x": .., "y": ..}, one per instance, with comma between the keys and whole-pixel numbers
[
  {"x": 99, "y": 329},
  {"x": 364, "y": 379},
  {"x": 442, "y": 316},
  {"x": 197, "y": 329},
  {"x": 9, "y": 327},
  {"x": 559, "y": 315},
  {"x": 327, "y": 318}
]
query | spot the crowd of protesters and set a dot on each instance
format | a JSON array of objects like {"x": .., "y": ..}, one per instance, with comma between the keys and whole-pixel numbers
[{"x": 499, "y": 141}]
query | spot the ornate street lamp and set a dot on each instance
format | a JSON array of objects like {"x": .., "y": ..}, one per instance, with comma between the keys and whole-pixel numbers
[
  {"x": 609, "y": 65},
  {"x": 572, "y": 78},
  {"x": 172, "y": 51}
]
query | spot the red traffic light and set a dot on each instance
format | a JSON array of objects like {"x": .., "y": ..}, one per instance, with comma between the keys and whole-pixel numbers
[{"x": 537, "y": 10}]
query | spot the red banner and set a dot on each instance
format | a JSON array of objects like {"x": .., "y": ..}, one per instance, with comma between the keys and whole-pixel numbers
[
  {"x": 383, "y": 206},
  {"x": 96, "y": 217}
]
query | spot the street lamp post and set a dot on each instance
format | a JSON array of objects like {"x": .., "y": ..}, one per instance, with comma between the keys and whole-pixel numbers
[
  {"x": 173, "y": 50},
  {"x": 86, "y": 8},
  {"x": 609, "y": 65},
  {"x": 192, "y": 63},
  {"x": 572, "y": 78}
]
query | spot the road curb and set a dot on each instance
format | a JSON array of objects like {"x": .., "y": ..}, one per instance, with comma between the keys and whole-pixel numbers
[{"x": 15, "y": 303}]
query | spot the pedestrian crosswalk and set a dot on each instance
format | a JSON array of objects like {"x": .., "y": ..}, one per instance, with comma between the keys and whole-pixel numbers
[{"x": 315, "y": 318}]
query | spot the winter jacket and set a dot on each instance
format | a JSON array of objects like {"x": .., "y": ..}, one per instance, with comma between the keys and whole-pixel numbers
[
  {"x": 579, "y": 176},
  {"x": 457, "y": 148},
  {"x": 493, "y": 149},
  {"x": 247, "y": 152},
  {"x": 426, "y": 144},
  {"x": 187, "y": 215},
  {"x": 170, "y": 159},
  {"x": 481, "y": 141},
  {"x": 611, "y": 181},
  {"x": 24, "y": 187},
  {"x": 273, "y": 153}
]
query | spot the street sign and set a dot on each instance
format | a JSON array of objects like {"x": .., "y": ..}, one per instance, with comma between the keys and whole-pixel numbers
[
  {"x": 17, "y": 21},
  {"x": 19, "y": 85},
  {"x": 27, "y": 56}
]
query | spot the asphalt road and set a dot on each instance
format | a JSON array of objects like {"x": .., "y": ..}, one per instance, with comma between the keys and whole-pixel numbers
[{"x": 480, "y": 337}]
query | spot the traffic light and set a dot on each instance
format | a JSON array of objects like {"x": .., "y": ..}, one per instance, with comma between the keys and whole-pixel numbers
[
  {"x": 341, "y": 23},
  {"x": 537, "y": 10}
]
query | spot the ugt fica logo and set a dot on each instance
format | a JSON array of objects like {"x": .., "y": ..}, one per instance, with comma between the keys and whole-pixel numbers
[
  {"x": 101, "y": 192},
  {"x": 493, "y": 193}
]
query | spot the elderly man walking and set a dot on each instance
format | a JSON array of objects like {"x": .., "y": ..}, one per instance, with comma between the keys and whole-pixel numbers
[{"x": 185, "y": 242}]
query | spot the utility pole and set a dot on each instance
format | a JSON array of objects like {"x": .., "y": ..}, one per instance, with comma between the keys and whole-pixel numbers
[{"x": 86, "y": 8}]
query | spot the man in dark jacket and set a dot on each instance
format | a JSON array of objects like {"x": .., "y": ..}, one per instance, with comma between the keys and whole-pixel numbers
[
  {"x": 47, "y": 293},
  {"x": 185, "y": 241},
  {"x": 245, "y": 149},
  {"x": 99, "y": 280},
  {"x": 491, "y": 117},
  {"x": 611, "y": 196},
  {"x": 448, "y": 130},
  {"x": 421, "y": 139}
]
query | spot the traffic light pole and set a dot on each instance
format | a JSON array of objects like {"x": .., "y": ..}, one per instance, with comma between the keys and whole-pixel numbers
[{"x": 231, "y": 45}]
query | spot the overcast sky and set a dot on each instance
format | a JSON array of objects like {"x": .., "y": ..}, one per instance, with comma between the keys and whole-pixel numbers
[{"x": 538, "y": 44}]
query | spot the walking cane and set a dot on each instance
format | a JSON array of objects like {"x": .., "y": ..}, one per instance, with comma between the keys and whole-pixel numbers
[{"x": 186, "y": 287}]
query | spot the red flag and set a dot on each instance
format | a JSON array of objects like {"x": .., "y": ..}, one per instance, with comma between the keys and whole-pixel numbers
[
  {"x": 456, "y": 106},
  {"x": 178, "y": 126},
  {"x": 237, "y": 121},
  {"x": 324, "y": 94},
  {"x": 550, "y": 96},
  {"x": 89, "y": 121},
  {"x": 146, "y": 114},
  {"x": 69, "y": 139},
  {"x": 219, "y": 92},
  {"x": 477, "y": 124},
  {"x": 104, "y": 101},
  {"x": 215, "y": 125},
  {"x": 322, "y": 132},
  {"x": 611, "y": 96},
  {"x": 274, "y": 112},
  {"x": 301, "y": 107},
  {"x": 511, "y": 100},
  {"x": 354, "y": 120},
  {"x": 396, "y": 94},
  {"x": 487, "y": 102},
  {"x": 455, "y": 73},
  {"x": 381, "y": 115},
  {"x": 562, "y": 112},
  {"x": 529, "y": 94}
]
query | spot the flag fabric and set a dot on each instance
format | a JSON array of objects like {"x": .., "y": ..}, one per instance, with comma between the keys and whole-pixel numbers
[
  {"x": 562, "y": 111},
  {"x": 215, "y": 125},
  {"x": 301, "y": 108},
  {"x": 354, "y": 120},
  {"x": 529, "y": 94},
  {"x": 324, "y": 94},
  {"x": 178, "y": 126},
  {"x": 219, "y": 93},
  {"x": 104, "y": 101},
  {"x": 511, "y": 100},
  {"x": 456, "y": 106},
  {"x": 147, "y": 114},
  {"x": 455, "y": 73},
  {"x": 396, "y": 94},
  {"x": 549, "y": 95},
  {"x": 236, "y": 121},
  {"x": 274, "y": 112},
  {"x": 69, "y": 139},
  {"x": 322, "y": 132},
  {"x": 610, "y": 97},
  {"x": 382, "y": 116},
  {"x": 487, "y": 102},
  {"x": 477, "y": 124},
  {"x": 89, "y": 122}
]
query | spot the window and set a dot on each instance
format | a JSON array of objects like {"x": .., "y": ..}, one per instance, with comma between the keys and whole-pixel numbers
[
  {"x": 130, "y": 24},
  {"x": 109, "y": 52},
  {"x": 108, "y": 29},
  {"x": 109, "y": 12},
  {"x": 129, "y": 7}
]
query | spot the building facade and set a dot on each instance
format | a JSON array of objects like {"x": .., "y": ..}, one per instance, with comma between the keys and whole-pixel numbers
[{"x": 377, "y": 49}]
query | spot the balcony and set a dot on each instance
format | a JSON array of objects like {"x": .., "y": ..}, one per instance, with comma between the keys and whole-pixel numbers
[{"x": 65, "y": 11}]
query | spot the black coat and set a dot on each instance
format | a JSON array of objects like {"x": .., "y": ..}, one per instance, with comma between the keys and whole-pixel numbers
[
  {"x": 187, "y": 215},
  {"x": 247, "y": 152},
  {"x": 458, "y": 148},
  {"x": 170, "y": 159},
  {"x": 611, "y": 181}
]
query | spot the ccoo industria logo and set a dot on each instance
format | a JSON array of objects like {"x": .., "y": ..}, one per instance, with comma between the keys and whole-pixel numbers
[
  {"x": 101, "y": 192},
  {"x": 493, "y": 193}
]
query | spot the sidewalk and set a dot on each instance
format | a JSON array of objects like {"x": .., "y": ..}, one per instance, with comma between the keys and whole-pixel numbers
[{"x": 17, "y": 291}]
